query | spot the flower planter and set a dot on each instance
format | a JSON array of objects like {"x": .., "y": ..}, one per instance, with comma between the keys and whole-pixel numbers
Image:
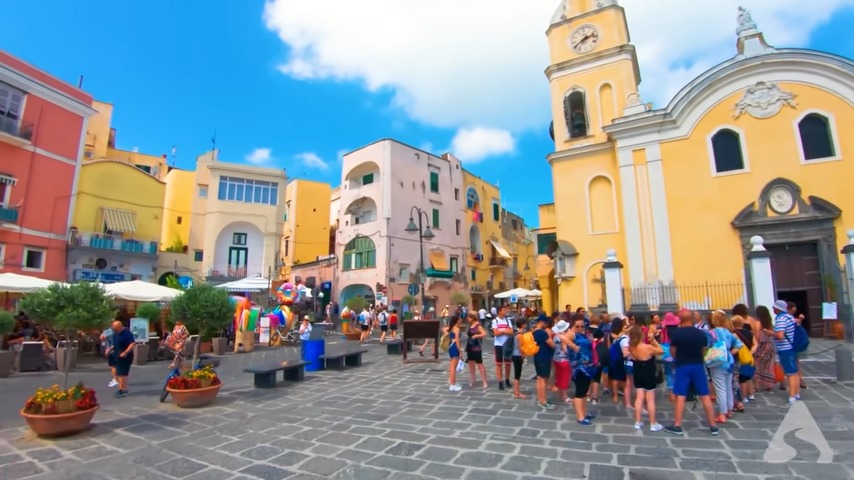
[
  {"x": 205, "y": 347},
  {"x": 61, "y": 424},
  {"x": 355, "y": 336},
  {"x": 7, "y": 360},
  {"x": 197, "y": 397}
]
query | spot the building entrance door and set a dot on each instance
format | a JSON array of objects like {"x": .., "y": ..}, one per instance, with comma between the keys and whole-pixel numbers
[
  {"x": 237, "y": 260},
  {"x": 797, "y": 278}
]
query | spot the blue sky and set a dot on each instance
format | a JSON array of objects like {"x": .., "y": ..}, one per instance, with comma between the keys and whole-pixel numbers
[{"x": 178, "y": 71}]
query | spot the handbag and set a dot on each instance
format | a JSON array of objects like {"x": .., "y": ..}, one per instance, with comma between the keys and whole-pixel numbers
[
  {"x": 716, "y": 355},
  {"x": 779, "y": 375}
]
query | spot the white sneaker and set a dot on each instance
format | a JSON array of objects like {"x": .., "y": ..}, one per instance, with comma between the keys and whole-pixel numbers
[
  {"x": 455, "y": 388},
  {"x": 639, "y": 426},
  {"x": 656, "y": 427},
  {"x": 113, "y": 383}
]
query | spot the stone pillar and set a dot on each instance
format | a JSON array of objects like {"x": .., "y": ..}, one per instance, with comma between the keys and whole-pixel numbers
[
  {"x": 548, "y": 298},
  {"x": 762, "y": 280},
  {"x": 848, "y": 252},
  {"x": 613, "y": 283}
]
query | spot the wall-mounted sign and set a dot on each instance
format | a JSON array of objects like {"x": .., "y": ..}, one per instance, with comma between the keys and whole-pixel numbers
[
  {"x": 185, "y": 281},
  {"x": 96, "y": 276},
  {"x": 139, "y": 328}
]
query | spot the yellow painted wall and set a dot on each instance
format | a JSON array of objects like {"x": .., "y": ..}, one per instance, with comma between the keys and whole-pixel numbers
[
  {"x": 307, "y": 224},
  {"x": 544, "y": 268},
  {"x": 771, "y": 152},
  {"x": 490, "y": 228},
  {"x": 611, "y": 23},
  {"x": 98, "y": 131},
  {"x": 178, "y": 197},
  {"x": 120, "y": 186},
  {"x": 156, "y": 163}
]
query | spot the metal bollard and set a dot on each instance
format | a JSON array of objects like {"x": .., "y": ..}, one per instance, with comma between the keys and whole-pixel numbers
[{"x": 844, "y": 365}]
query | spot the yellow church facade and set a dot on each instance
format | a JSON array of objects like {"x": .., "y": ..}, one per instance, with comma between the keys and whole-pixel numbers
[{"x": 753, "y": 146}]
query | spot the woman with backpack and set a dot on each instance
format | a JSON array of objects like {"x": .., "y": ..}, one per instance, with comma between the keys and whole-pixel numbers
[
  {"x": 474, "y": 349},
  {"x": 721, "y": 363}
]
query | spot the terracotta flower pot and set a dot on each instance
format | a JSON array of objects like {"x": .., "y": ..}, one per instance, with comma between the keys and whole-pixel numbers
[
  {"x": 353, "y": 336},
  {"x": 198, "y": 397},
  {"x": 59, "y": 425}
]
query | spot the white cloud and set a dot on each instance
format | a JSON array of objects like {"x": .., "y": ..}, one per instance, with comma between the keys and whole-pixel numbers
[
  {"x": 473, "y": 144},
  {"x": 260, "y": 156},
  {"x": 312, "y": 160},
  {"x": 452, "y": 63}
]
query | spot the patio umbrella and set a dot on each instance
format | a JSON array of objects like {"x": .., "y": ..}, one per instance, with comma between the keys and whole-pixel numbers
[
  {"x": 516, "y": 292},
  {"x": 247, "y": 285},
  {"x": 15, "y": 283},
  {"x": 139, "y": 291}
]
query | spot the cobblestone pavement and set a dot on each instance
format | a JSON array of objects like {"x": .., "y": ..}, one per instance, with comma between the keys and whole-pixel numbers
[{"x": 390, "y": 421}]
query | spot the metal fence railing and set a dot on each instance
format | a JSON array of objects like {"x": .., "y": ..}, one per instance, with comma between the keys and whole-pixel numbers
[{"x": 696, "y": 296}]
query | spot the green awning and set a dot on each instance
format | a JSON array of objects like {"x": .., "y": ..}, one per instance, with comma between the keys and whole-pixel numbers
[{"x": 439, "y": 273}]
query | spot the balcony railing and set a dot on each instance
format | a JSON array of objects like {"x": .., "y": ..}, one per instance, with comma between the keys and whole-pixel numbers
[
  {"x": 8, "y": 215},
  {"x": 117, "y": 243},
  {"x": 227, "y": 273},
  {"x": 22, "y": 131},
  {"x": 497, "y": 262}
]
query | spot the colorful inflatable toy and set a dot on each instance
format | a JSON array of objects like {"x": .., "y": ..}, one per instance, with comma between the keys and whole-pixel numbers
[
  {"x": 287, "y": 294},
  {"x": 242, "y": 307}
]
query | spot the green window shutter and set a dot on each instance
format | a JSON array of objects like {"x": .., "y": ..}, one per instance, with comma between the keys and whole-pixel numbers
[
  {"x": 368, "y": 179},
  {"x": 434, "y": 182},
  {"x": 496, "y": 213},
  {"x": 544, "y": 241},
  {"x": 435, "y": 218},
  {"x": 348, "y": 261},
  {"x": 473, "y": 274}
]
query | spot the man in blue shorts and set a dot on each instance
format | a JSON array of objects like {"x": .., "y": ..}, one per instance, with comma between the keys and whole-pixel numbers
[
  {"x": 783, "y": 334},
  {"x": 688, "y": 347}
]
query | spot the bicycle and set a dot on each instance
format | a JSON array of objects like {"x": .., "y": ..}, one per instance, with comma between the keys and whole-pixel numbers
[{"x": 201, "y": 362}]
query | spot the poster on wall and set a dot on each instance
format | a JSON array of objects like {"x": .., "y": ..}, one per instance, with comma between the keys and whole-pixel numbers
[
  {"x": 139, "y": 328},
  {"x": 828, "y": 311}
]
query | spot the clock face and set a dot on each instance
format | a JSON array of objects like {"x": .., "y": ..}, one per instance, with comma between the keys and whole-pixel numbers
[
  {"x": 584, "y": 39},
  {"x": 781, "y": 201}
]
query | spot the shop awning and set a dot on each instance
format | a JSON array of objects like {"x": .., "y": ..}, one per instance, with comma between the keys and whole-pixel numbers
[
  {"x": 501, "y": 250},
  {"x": 438, "y": 260},
  {"x": 119, "y": 220},
  {"x": 8, "y": 179}
]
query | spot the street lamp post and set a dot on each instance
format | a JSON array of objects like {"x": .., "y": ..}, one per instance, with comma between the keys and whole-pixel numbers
[{"x": 424, "y": 233}]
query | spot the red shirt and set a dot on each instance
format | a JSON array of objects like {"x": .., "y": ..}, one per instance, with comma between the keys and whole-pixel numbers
[{"x": 393, "y": 319}]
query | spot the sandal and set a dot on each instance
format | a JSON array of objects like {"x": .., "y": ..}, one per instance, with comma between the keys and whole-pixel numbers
[{"x": 520, "y": 396}]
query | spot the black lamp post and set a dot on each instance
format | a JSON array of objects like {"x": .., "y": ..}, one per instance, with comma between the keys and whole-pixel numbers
[{"x": 422, "y": 228}]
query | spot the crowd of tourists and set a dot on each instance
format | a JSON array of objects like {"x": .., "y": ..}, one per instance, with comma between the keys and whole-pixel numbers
[{"x": 721, "y": 360}]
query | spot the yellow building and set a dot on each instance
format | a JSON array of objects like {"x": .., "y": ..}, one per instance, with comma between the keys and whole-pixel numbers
[
  {"x": 544, "y": 247},
  {"x": 753, "y": 146},
  {"x": 519, "y": 240},
  {"x": 305, "y": 236},
  {"x": 235, "y": 218},
  {"x": 101, "y": 144},
  {"x": 492, "y": 267},
  {"x": 115, "y": 233}
]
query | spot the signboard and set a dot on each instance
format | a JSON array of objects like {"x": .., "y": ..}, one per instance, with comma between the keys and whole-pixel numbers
[
  {"x": 513, "y": 299},
  {"x": 139, "y": 328},
  {"x": 828, "y": 311},
  {"x": 96, "y": 276},
  {"x": 185, "y": 281},
  {"x": 326, "y": 286},
  {"x": 413, "y": 289}
]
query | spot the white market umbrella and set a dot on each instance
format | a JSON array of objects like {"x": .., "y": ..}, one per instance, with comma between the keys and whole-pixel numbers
[
  {"x": 139, "y": 291},
  {"x": 15, "y": 283},
  {"x": 535, "y": 293},
  {"x": 516, "y": 292},
  {"x": 247, "y": 285}
]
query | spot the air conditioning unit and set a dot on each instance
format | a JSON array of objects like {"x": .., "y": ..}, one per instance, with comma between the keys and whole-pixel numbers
[{"x": 392, "y": 280}]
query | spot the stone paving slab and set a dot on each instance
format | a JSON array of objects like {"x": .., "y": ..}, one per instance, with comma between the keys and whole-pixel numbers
[{"x": 390, "y": 421}]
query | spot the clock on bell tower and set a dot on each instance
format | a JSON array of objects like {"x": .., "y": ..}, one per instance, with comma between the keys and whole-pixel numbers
[{"x": 593, "y": 70}]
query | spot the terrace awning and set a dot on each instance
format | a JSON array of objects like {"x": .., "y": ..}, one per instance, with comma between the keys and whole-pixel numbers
[
  {"x": 119, "y": 220},
  {"x": 438, "y": 260},
  {"x": 500, "y": 249}
]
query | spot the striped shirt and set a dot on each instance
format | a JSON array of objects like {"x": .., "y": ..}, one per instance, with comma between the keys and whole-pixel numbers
[{"x": 784, "y": 323}]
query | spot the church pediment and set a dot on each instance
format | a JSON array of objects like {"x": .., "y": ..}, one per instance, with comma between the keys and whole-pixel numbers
[{"x": 782, "y": 200}]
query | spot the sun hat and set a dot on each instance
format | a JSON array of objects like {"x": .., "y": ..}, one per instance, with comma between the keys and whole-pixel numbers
[
  {"x": 670, "y": 320},
  {"x": 781, "y": 305},
  {"x": 560, "y": 327}
]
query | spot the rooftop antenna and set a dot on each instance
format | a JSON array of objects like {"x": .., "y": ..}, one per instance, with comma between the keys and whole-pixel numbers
[
  {"x": 173, "y": 155},
  {"x": 80, "y": 82},
  {"x": 213, "y": 146}
]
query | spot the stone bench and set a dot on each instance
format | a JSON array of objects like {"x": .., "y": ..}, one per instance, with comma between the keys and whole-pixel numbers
[
  {"x": 265, "y": 375},
  {"x": 395, "y": 347},
  {"x": 337, "y": 361}
]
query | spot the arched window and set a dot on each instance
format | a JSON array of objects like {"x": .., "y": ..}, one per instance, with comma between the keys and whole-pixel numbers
[
  {"x": 472, "y": 200},
  {"x": 816, "y": 137},
  {"x": 360, "y": 253},
  {"x": 726, "y": 149},
  {"x": 474, "y": 239},
  {"x": 575, "y": 113}
]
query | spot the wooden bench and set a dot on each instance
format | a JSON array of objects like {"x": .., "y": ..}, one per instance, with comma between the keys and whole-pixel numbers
[
  {"x": 395, "y": 347},
  {"x": 337, "y": 361},
  {"x": 265, "y": 375}
]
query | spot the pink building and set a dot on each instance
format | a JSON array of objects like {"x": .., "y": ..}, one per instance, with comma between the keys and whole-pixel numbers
[
  {"x": 42, "y": 127},
  {"x": 380, "y": 184}
]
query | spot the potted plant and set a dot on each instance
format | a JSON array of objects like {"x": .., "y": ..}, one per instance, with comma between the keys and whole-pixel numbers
[
  {"x": 7, "y": 358},
  {"x": 195, "y": 388},
  {"x": 151, "y": 313},
  {"x": 205, "y": 310},
  {"x": 69, "y": 308},
  {"x": 355, "y": 305}
]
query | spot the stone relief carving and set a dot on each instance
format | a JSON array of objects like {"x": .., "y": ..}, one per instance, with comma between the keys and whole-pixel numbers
[
  {"x": 745, "y": 21},
  {"x": 781, "y": 196},
  {"x": 764, "y": 100}
]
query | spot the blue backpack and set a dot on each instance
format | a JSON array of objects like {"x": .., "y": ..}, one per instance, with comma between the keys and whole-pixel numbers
[
  {"x": 801, "y": 341},
  {"x": 616, "y": 354}
]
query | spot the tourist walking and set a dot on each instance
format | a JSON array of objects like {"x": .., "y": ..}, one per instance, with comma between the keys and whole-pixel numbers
[
  {"x": 474, "y": 349},
  {"x": 583, "y": 368},
  {"x": 764, "y": 358},
  {"x": 107, "y": 345},
  {"x": 176, "y": 341},
  {"x": 518, "y": 361},
  {"x": 382, "y": 319},
  {"x": 784, "y": 333},
  {"x": 392, "y": 323},
  {"x": 560, "y": 360},
  {"x": 543, "y": 359},
  {"x": 644, "y": 373},
  {"x": 123, "y": 343},
  {"x": 453, "y": 332},
  {"x": 304, "y": 334},
  {"x": 687, "y": 345},
  {"x": 502, "y": 329}
]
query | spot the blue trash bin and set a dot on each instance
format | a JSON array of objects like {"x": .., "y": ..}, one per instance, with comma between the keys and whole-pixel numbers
[{"x": 312, "y": 350}]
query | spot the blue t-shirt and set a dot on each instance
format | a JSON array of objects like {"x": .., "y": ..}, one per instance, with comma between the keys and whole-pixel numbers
[
  {"x": 582, "y": 360},
  {"x": 545, "y": 353},
  {"x": 785, "y": 323},
  {"x": 122, "y": 340},
  {"x": 688, "y": 344}
]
